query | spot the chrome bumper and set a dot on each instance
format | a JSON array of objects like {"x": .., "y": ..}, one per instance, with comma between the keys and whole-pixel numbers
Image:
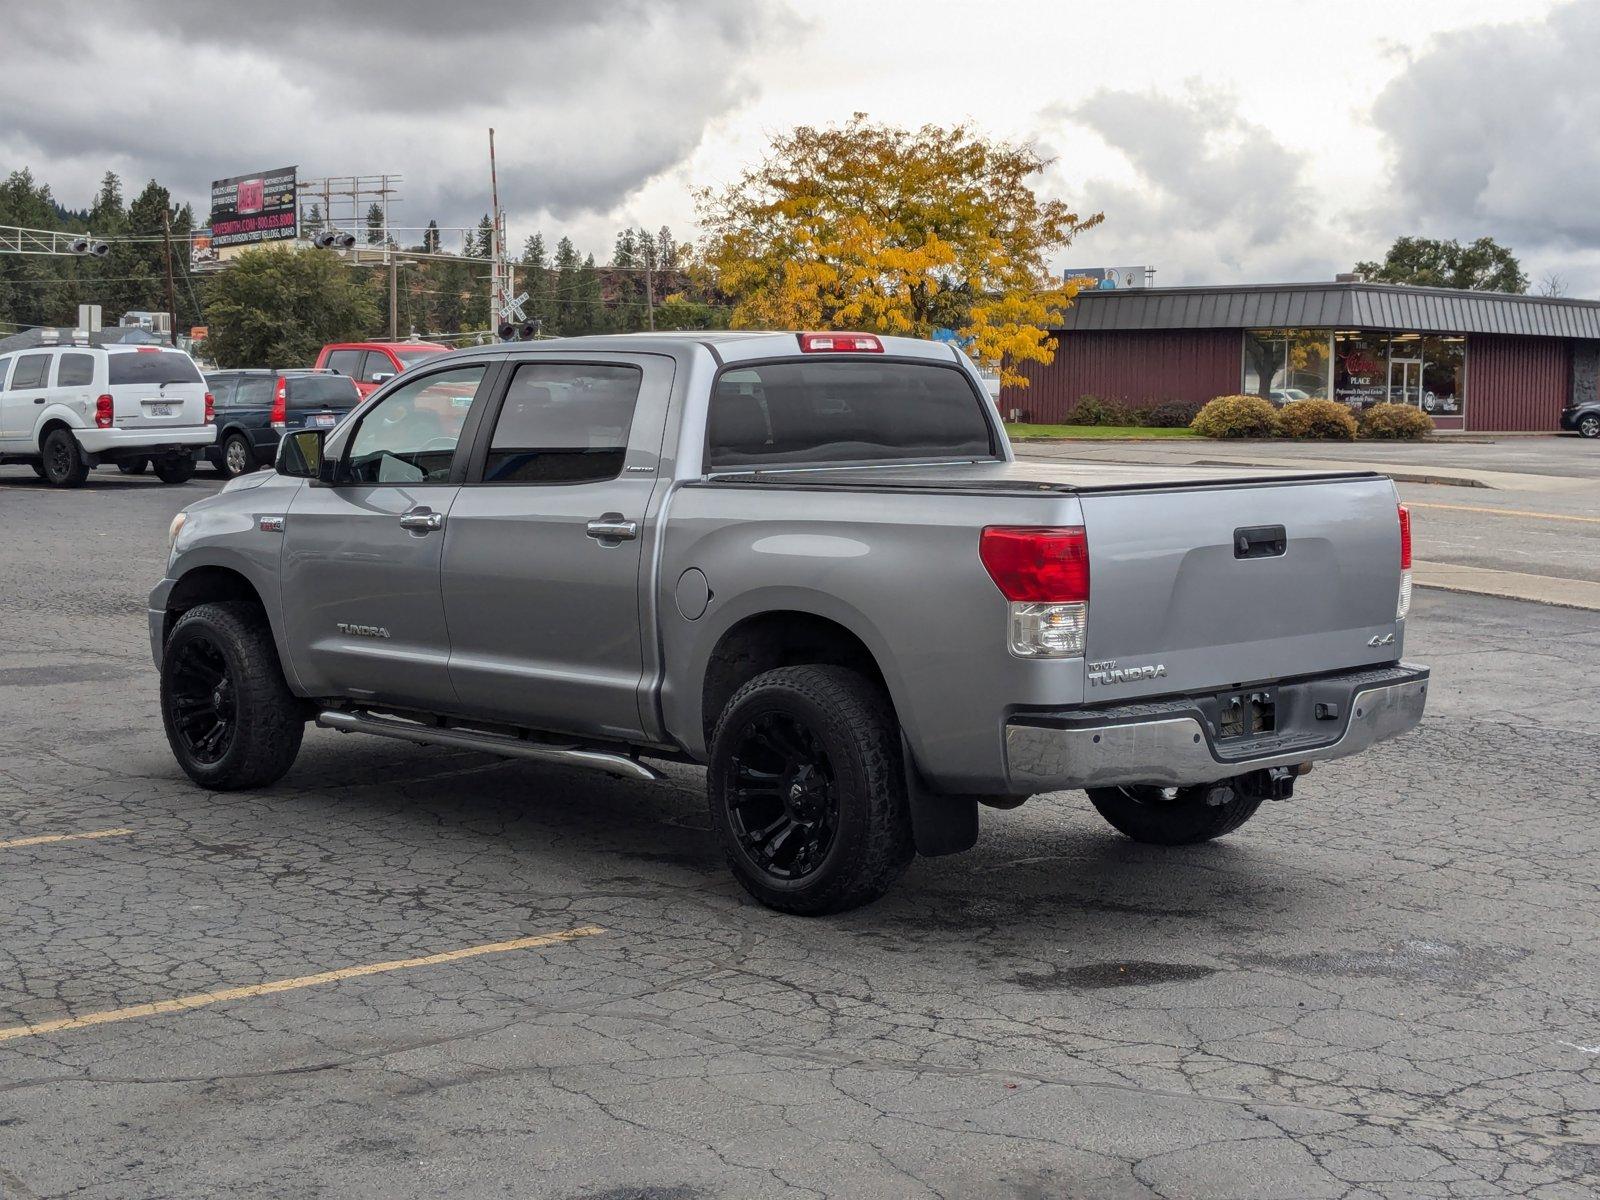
[{"x": 1178, "y": 749}]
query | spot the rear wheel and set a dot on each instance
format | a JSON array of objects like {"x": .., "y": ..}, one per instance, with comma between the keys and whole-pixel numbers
[
  {"x": 230, "y": 718},
  {"x": 807, "y": 791},
  {"x": 38, "y": 467},
  {"x": 1173, "y": 816},
  {"x": 1589, "y": 426},
  {"x": 63, "y": 461},
  {"x": 237, "y": 456},
  {"x": 133, "y": 466},
  {"x": 175, "y": 468}
]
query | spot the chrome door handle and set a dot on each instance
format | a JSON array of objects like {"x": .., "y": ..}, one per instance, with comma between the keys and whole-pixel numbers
[
  {"x": 422, "y": 519},
  {"x": 613, "y": 527}
]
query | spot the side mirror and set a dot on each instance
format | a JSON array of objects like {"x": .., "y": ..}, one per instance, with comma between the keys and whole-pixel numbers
[
  {"x": 300, "y": 454},
  {"x": 382, "y": 377}
]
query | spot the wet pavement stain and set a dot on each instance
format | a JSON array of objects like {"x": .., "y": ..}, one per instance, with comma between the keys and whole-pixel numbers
[{"x": 1091, "y": 976}]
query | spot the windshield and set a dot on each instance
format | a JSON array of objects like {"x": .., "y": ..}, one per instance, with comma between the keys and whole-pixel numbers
[
  {"x": 801, "y": 411},
  {"x": 152, "y": 366}
]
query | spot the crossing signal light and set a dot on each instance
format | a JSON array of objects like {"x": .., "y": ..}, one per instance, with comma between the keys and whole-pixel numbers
[
  {"x": 334, "y": 239},
  {"x": 83, "y": 245}
]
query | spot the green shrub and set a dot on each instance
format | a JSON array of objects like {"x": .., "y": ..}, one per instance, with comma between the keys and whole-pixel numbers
[
  {"x": 1170, "y": 414},
  {"x": 1091, "y": 410},
  {"x": 1235, "y": 417},
  {"x": 1395, "y": 421},
  {"x": 1317, "y": 421}
]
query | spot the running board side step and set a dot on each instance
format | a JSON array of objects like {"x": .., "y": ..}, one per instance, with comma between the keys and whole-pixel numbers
[{"x": 573, "y": 754}]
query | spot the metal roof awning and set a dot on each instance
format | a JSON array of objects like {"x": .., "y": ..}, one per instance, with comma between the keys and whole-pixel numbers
[{"x": 1333, "y": 306}]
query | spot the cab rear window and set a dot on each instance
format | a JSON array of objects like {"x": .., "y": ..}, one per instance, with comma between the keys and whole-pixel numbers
[
  {"x": 145, "y": 366},
  {"x": 845, "y": 411},
  {"x": 335, "y": 391}
]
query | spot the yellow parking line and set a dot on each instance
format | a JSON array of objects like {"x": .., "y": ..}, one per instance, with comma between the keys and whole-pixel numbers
[
  {"x": 1504, "y": 512},
  {"x": 185, "y": 1003},
  {"x": 45, "y": 839}
]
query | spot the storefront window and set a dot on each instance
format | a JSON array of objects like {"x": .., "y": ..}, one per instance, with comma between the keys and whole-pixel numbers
[
  {"x": 1357, "y": 367},
  {"x": 1281, "y": 365},
  {"x": 1444, "y": 366},
  {"x": 1360, "y": 368}
]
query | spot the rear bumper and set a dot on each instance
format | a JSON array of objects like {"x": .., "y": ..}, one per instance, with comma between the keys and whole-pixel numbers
[
  {"x": 1173, "y": 743},
  {"x": 180, "y": 437}
]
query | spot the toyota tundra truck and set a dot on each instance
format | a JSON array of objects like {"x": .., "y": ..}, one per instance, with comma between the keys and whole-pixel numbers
[{"x": 807, "y": 561}]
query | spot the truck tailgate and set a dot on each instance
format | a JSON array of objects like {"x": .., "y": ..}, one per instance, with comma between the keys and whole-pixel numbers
[{"x": 1177, "y": 603}]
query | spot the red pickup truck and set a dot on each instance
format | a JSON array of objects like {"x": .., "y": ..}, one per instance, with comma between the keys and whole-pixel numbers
[{"x": 370, "y": 363}]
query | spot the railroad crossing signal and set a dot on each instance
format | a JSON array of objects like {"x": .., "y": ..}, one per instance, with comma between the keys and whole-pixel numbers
[{"x": 511, "y": 309}]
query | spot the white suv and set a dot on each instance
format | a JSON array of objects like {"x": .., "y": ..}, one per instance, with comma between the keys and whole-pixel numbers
[{"x": 65, "y": 409}]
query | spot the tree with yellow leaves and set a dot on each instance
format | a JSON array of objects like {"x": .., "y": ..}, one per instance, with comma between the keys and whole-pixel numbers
[{"x": 895, "y": 231}]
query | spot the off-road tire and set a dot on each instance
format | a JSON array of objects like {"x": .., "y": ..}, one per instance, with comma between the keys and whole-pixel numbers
[
  {"x": 63, "y": 464},
  {"x": 133, "y": 466},
  {"x": 852, "y": 721},
  {"x": 175, "y": 469},
  {"x": 1181, "y": 821},
  {"x": 269, "y": 721}
]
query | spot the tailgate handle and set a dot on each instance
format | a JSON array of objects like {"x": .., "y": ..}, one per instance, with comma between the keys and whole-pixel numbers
[{"x": 1260, "y": 541}]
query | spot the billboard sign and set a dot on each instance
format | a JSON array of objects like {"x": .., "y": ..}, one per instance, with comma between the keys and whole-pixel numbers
[
  {"x": 250, "y": 209},
  {"x": 1110, "y": 278}
]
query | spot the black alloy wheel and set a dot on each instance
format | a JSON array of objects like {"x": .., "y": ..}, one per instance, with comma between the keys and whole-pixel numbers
[
  {"x": 783, "y": 800},
  {"x": 63, "y": 463},
  {"x": 203, "y": 701}
]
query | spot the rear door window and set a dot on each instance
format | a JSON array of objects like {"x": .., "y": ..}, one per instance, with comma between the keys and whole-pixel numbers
[
  {"x": 76, "y": 370},
  {"x": 222, "y": 389},
  {"x": 346, "y": 362},
  {"x": 30, "y": 371},
  {"x": 254, "y": 391},
  {"x": 816, "y": 411},
  {"x": 153, "y": 367},
  {"x": 378, "y": 363},
  {"x": 563, "y": 423}
]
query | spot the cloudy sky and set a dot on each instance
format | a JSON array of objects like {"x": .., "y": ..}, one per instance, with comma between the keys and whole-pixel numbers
[{"x": 1229, "y": 140}]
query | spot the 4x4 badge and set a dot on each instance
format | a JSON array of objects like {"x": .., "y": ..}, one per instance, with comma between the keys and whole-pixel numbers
[{"x": 1385, "y": 640}]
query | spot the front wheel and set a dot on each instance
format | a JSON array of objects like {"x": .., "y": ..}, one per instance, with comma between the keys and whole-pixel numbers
[
  {"x": 1589, "y": 426},
  {"x": 176, "y": 468},
  {"x": 63, "y": 461},
  {"x": 1174, "y": 816},
  {"x": 230, "y": 717},
  {"x": 807, "y": 791}
]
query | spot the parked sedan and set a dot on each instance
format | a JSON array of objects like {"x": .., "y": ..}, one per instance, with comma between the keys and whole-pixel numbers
[{"x": 256, "y": 408}]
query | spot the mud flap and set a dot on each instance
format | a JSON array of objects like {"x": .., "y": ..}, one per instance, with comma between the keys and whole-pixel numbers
[{"x": 940, "y": 823}]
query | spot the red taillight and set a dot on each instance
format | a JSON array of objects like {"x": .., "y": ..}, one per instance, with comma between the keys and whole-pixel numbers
[
  {"x": 211, "y": 408},
  {"x": 840, "y": 343},
  {"x": 280, "y": 403},
  {"x": 1405, "y": 538},
  {"x": 103, "y": 412},
  {"x": 1037, "y": 565}
]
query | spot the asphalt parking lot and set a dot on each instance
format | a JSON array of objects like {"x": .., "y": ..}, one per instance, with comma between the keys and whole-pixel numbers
[{"x": 447, "y": 975}]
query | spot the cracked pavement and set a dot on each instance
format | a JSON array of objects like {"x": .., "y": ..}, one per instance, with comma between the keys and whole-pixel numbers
[{"x": 1388, "y": 986}]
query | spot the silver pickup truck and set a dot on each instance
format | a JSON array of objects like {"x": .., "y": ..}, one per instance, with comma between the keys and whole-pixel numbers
[{"x": 809, "y": 562}]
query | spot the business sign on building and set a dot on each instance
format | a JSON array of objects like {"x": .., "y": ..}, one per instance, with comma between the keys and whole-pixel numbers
[
  {"x": 250, "y": 209},
  {"x": 1110, "y": 278}
]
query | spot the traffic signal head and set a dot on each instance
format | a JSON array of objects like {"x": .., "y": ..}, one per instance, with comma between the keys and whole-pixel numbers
[
  {"x": 99, "y": 249},
  {"x": 507, "y": 331}
]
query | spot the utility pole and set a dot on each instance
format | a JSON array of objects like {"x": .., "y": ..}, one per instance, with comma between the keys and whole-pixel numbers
[
  {"x": 394, "y": 293},
  {"x": 172, "y": 298},
  {"x": 649, "y": 290},
  {"x": 497, "y": 293}
]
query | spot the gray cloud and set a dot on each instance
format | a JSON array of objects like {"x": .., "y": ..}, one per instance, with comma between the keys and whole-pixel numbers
[
  {"x": 589, "y": 101},
  {"x": 1493, "y": 130},
  {"x": 1216, "y": 198}
]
